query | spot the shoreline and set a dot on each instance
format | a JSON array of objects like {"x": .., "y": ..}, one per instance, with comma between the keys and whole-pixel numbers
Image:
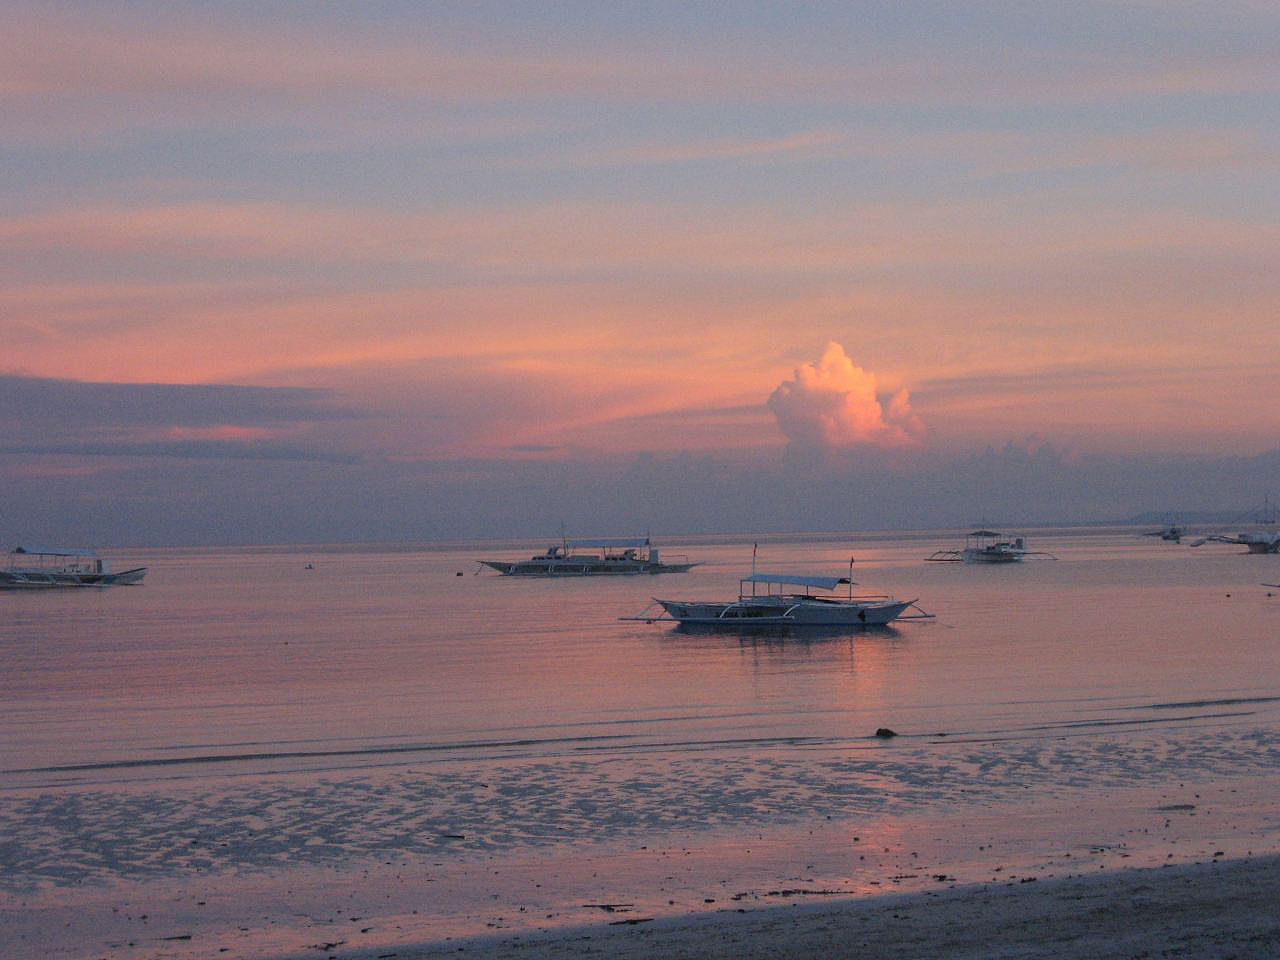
[{"x": 1210, "y": 910}]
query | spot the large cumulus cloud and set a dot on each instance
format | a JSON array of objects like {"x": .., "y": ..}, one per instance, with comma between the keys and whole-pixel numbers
[{"x": 833, "y": 405}]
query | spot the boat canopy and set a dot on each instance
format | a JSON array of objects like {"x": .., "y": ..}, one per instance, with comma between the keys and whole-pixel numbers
[
  {"x": 52, "y": 552},
  {"x": 985, "y": 533},
  {"x": 822, "y": 583},
  {"x": 610, "y": 544}
]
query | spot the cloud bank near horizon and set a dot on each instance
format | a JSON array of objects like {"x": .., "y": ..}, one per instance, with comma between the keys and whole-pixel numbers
[
  {"x": 165, "y": 500},
  {"x": 47, "y": 417},
  {"x": 113, "y": 463}
]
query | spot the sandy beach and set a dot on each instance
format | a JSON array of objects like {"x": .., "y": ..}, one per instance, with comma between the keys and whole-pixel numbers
[{"x": 1209, "y": 910}]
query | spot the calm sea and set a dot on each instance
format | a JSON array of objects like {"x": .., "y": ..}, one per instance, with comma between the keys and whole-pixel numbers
[{"x": 251, "y": 710}]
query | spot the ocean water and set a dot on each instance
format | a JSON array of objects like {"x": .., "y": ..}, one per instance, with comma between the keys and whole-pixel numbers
[{"x": 245, "y": 723}]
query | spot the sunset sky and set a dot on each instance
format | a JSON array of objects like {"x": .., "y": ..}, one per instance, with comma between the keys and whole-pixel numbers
[{"x": 296, "y": 271}]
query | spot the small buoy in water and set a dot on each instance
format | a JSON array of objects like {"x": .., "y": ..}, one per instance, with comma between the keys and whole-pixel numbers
[{"x": 885, "y": 733}]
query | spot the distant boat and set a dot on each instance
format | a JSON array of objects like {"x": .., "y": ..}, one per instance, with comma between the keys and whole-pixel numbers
[
  {"x": 593, "y": 558},
  {"x": 1254, "y": 541},
  {"x": 1172, "y": 533},
  {"x": 782, "y": 605},
  {"x": 41, "y": 569},
  {"x": 987, "y": 546},
  {"x": 1264, "y": 539}
]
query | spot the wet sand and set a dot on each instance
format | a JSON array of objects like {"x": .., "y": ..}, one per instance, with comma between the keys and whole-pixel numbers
[
  {"x": 1195, "y": 866},
  {"x": 1209, "y": 910}
]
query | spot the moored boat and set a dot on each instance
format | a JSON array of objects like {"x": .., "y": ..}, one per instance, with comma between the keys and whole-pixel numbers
[
  {"x": 785, "y": 600},
  {"x": 42, "y": 569},
  {"x": 987, "y": 546},
  {"x": 593, "y": 558},
  {"x": 1264, "y": 538},
  {"x": 1254, "y": 541}
]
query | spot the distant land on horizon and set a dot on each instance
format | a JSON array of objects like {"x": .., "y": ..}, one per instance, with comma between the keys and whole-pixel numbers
[{"x": 1201, "y": 519}]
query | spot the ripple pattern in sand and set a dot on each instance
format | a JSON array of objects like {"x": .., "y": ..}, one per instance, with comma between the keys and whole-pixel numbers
[{"x": 219, "y": 824}]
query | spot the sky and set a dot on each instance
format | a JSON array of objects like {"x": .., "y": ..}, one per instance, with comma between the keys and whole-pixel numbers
[{"x": 288, "y": 272}]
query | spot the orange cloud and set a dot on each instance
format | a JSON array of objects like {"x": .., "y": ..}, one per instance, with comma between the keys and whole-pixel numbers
[
  {"x": 681, "y": 308},
  {"x": 833, "y": 404}
]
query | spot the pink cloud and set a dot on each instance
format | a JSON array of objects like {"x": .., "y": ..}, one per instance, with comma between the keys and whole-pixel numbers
[
  {"x": 804, "y": 142},
  {"x": 224, "y": 431},
  {"x": 834, "y": 405},
  {"x": 53, "y": 60}
]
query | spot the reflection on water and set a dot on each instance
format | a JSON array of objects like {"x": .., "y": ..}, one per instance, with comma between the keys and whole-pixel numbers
[{"x": 782, "y": 634}]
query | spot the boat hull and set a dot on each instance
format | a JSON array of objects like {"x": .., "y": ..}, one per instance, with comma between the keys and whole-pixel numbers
[
  {"x": 53, "y": 580},
  {"x": 990, "y": 556},
  {"x": 812, "y": 613},
  {"x": 572, "y": 568}
]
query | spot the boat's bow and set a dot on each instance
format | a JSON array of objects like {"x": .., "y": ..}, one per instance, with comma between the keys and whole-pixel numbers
[{"x": 125, "y": 577}]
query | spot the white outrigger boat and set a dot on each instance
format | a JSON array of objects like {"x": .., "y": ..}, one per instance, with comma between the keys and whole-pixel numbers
[
  {"x": 43, "y": 569},
  {"x": 1264, "y": 539},
  {"x": 781, "y": 604},
  {"x": 1254, "y": 541},
  {"x": 593, "y": 558},
  {"x": 987, "y": 546}
]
